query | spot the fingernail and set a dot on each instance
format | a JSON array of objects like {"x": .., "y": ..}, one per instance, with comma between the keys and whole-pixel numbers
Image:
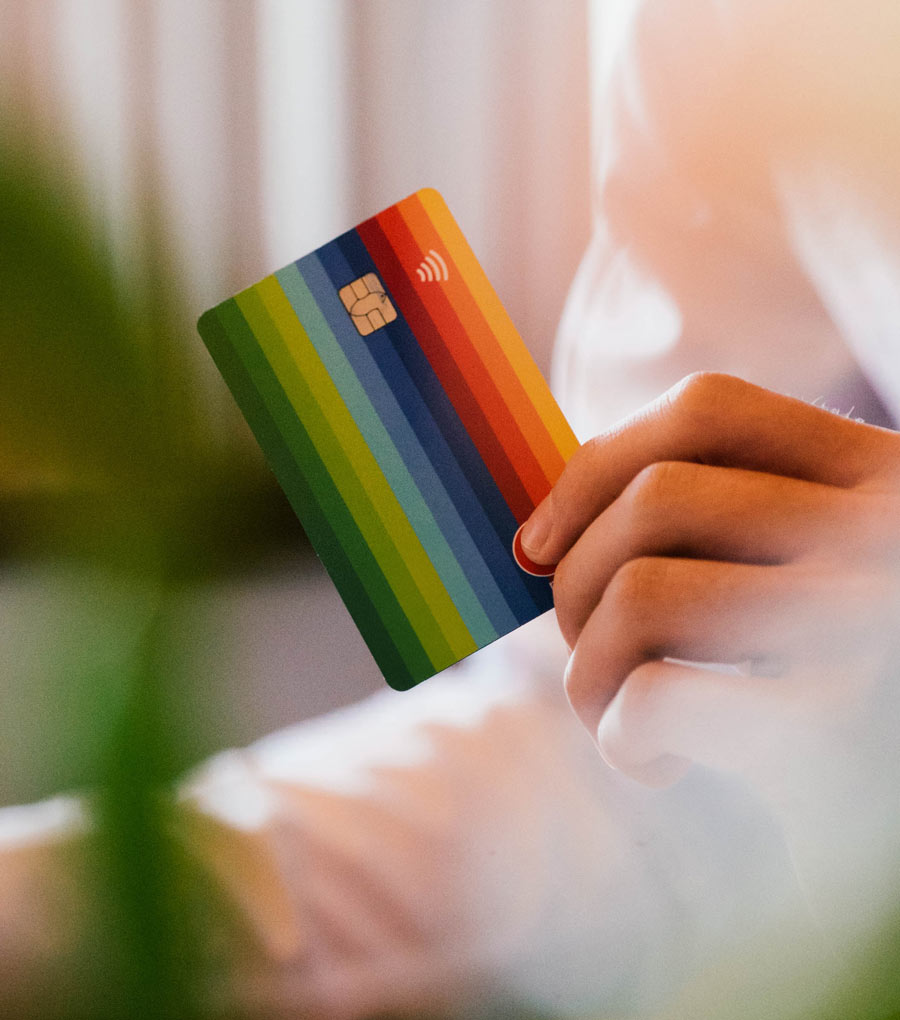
[
  {"x": 530, "y": 540},
  {"x": 526, "y": 563},
  {"x": 536, "y": 531}
]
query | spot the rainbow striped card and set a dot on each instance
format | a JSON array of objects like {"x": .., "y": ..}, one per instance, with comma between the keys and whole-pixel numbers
[{"x": 408, "y": 425}]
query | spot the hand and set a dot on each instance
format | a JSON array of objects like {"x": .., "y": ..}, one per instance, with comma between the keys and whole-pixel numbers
[{"x": 725, "y": 524}]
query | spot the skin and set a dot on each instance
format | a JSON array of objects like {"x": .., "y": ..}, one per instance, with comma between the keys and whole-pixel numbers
[{"x": 730, "y": 525}]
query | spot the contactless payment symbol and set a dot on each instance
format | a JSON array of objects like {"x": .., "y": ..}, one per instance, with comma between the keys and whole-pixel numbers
[
  {"x": 369, "y": 306},
  {"x": 411, "y": 459},
  {"x": 433, "y": 268}
]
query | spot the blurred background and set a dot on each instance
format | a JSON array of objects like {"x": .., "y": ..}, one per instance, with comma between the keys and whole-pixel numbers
[{"x": 192, "y": 147}]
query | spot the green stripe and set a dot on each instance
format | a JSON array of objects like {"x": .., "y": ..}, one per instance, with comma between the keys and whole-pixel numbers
[
  {"x": 387, "y": 455},
  {"x": 355, "y": 473},
  {"x": 327, "y": 503},
  {"x": 369, "y": 497},
  {"x": 334, "y": 535}
]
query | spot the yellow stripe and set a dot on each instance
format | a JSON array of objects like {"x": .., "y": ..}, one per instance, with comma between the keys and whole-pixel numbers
[{"x": 361, "y": 482}]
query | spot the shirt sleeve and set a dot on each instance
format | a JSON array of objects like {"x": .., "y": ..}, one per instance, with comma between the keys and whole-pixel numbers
[
  {"x": 462, "y": 844},
  {"x": 693, "y": 264}
]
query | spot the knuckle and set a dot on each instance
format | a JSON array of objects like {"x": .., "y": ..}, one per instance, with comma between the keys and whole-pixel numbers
[
  {"x": 629, "y": 719},
  {"x": 633, "y": 584},
  {"x": 565, "y": 601},
  {"x": 657, "y": 486},
  {"x": 585, "y": 459},
  {"x": 705, "y": 393}
]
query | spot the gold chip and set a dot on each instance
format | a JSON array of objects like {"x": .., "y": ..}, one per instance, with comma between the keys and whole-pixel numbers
[{"x": 369, "y": 306}]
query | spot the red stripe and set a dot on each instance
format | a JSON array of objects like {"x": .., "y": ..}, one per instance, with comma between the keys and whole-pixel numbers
[
  {"x": 476, "y": 372},
  {"x": 537, "y": 458},
  {"x": 391, "y": 255}
]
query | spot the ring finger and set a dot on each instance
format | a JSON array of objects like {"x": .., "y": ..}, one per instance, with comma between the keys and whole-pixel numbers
[{"x": 706, "y": 611}]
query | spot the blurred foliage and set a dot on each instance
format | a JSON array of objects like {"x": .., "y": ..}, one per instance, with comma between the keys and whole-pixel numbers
[
  {"x": 117, "y": 497},
  {"x": 98, "y": 406}
]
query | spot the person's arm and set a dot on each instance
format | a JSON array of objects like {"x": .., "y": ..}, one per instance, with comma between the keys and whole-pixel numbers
[{"x": 460, "y": 844}]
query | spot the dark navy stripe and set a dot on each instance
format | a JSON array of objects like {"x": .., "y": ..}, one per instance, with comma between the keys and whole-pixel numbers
[
  {"x": 429, "y": 483},
  {"x": 448, "y": 445}
]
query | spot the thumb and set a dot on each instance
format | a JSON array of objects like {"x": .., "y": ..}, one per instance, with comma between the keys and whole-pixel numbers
[{"x": 537, "y": 533}]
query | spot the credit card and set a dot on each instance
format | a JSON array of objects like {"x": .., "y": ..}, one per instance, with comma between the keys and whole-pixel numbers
[{"x": 408, "y": 425}]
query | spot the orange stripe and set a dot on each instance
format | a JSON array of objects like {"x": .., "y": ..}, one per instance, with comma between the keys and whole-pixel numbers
[
  {"x": 486, "y": 343},
  {"x": 394, "y": 255},
  {"x": 475, "y": 373},
  {"x": 500, "y": 324}
]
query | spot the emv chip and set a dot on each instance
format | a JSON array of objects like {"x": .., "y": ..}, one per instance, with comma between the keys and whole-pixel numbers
[{"x": 368, "y": 305}]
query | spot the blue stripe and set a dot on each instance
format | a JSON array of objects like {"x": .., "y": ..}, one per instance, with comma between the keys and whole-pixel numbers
[
  {"x": 383, "y": 449},
  {"x": 445, "y": 438},
  {"x": 405, "y": 440}
]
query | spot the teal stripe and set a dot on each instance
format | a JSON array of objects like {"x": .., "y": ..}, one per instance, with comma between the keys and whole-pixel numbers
[
  {"x": 356, "y": 475},
  {"x": 412, "y": 429},
  {"x": 387, "y": 456}
]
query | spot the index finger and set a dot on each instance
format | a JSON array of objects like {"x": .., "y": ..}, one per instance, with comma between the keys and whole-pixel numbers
[{"x": 710, "y": 419}]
